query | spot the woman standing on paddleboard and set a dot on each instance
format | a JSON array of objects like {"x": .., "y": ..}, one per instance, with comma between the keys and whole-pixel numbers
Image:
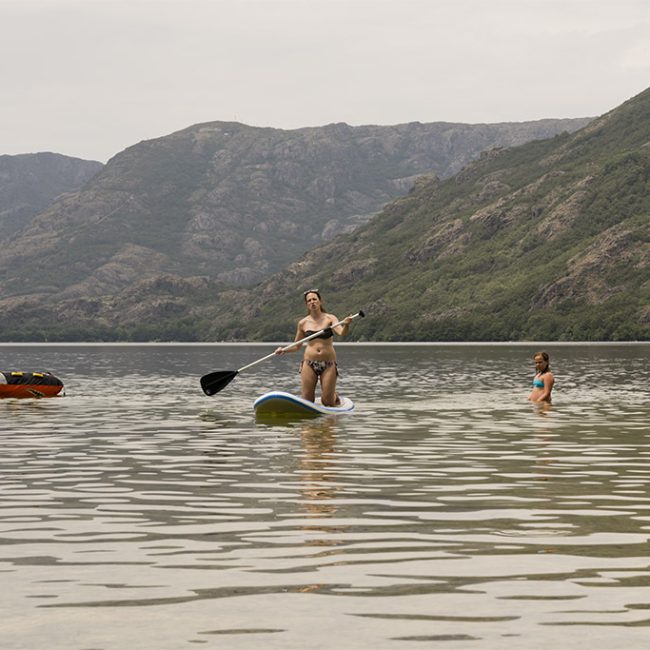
[{"x": 319, "y": 360}]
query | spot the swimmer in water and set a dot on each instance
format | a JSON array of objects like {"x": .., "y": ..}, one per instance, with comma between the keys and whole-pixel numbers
[{"x": 543, "y": 380}]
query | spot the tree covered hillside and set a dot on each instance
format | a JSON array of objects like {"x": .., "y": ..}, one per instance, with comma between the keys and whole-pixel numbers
[{"x": 550, "y": 240}]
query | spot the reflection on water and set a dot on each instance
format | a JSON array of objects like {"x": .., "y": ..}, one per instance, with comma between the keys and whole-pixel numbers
[{"x": 446, "y": 511}]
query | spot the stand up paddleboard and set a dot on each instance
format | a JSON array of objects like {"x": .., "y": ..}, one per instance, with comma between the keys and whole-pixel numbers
[{"x": 278, "y": 403}]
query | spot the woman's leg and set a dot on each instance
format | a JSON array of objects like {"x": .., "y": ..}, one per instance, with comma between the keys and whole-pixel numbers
[
  {"x": 328, "y": 394},
  {"x": 308, "y": 380}
]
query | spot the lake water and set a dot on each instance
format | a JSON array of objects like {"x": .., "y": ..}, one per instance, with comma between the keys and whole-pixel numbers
[{"x": 446, "y": 512}]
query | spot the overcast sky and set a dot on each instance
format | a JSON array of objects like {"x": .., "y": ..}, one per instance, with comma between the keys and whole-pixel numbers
[{"x": 88, "y": 78}]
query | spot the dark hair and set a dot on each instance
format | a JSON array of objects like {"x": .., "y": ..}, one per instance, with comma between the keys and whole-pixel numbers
[
  {"x": 544, "y": 356},
  {"x": 306, "y": 293},
  {"x": 316, "y": 291}
]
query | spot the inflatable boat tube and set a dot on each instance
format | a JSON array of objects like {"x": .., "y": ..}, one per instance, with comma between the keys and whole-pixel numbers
[{"x": 29, "y": 384}]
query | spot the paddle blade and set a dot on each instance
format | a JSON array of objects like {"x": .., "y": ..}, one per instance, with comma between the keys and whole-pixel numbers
[{"x": 216, "y": 381}]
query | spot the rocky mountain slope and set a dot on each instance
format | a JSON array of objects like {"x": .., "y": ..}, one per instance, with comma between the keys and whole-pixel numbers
[
  {"x": 30, "y": 182},
  {"x": 549, "y": 240},
  {"x": 546, "y": 241},
  {"x": 232, "y": 203}
]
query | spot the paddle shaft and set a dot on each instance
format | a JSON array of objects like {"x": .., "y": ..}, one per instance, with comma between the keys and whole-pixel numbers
[{"x": 300, "y": 342}]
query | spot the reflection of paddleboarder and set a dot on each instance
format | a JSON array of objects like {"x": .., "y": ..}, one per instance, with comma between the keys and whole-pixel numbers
[
  {"x": 543, "y": 380},
  {"x": 319, "y": 362}
]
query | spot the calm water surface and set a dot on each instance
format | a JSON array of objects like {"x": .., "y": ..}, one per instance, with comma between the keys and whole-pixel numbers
[{"x": 446, "y": 512}]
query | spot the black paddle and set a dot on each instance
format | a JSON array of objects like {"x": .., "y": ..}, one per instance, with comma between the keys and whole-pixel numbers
[{"x": 216, "y": 381}]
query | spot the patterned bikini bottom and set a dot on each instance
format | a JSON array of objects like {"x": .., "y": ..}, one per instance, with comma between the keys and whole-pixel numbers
[{"x": 319, "y": 367}]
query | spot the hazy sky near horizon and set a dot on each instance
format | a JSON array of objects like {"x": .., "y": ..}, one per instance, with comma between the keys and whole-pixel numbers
[{"x": 88, "y": 78}]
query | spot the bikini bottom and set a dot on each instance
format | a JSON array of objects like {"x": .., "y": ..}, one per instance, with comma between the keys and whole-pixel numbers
[{"x": 318, "y": 366}]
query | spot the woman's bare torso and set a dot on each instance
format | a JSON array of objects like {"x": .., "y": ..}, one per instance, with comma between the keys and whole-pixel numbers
[{"x": 318, "y": 349}]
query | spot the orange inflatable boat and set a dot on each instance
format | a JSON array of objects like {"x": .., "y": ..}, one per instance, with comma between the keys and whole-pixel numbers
[{"x": 29, "y": 384}]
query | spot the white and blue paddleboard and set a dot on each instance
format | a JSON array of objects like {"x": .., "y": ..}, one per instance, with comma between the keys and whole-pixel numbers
[{"x": 279, "y": 403}]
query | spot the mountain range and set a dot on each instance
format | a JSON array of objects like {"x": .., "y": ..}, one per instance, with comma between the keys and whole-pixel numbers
[
  {"x": 231, "y": 202},
  {"x": 546, "y": 241},
  {"x": 213, "y": 232},
  {"x": 29, "y": 183}
]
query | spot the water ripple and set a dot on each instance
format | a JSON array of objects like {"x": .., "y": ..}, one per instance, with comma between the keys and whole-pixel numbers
[{"x": 446, "y": 509}]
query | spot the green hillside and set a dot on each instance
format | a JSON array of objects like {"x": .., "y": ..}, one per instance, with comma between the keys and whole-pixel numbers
[
  {"x": 231, "y": 202},
  {"x": 545, "y": 241},
  {"x": 550, "y": 240}
]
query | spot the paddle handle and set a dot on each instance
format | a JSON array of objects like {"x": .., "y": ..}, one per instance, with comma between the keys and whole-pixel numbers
[{"x": 301, "y": 341}]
